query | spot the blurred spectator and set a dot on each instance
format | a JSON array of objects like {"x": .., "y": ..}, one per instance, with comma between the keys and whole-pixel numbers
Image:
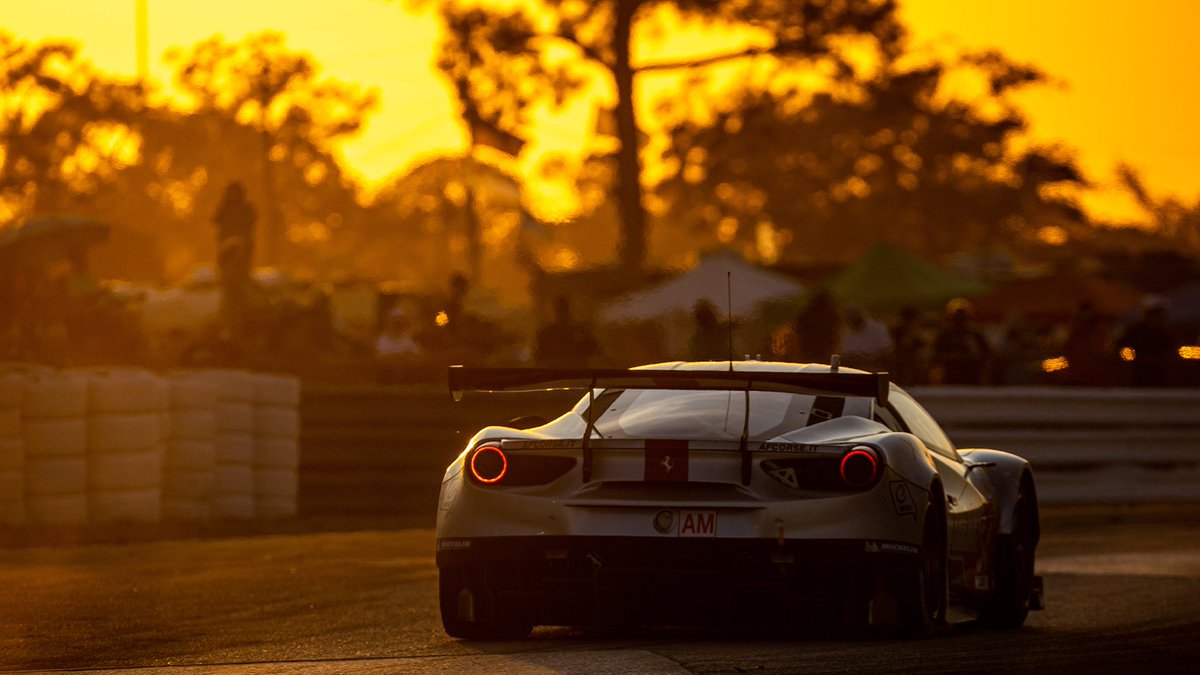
[
  {"x": 563, "y": 343},
  {"x": 1086, "y": 349},
  {"x": 234, "y": 219},
  {"x": 710, "y": 338},
  {"x": 818, "y": 329},
  {"x": 960, "y": 351},
  {"x": 909, "y": 345},
  {"x": 395, "y": 347},
  {"x": 1148, "y": 345},
  {"x": 866, "y": 343},
  {"x": 1021, "y": 354}
]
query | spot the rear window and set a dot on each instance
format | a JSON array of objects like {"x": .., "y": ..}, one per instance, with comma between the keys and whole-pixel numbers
[{"x": 708, "y": 415}]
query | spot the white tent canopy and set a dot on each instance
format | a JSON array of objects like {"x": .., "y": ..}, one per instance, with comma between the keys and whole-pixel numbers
[{"x": 749, "y": 285}]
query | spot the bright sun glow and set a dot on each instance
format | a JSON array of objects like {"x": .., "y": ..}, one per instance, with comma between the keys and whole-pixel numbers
[{"x": 1124, "y": 74}]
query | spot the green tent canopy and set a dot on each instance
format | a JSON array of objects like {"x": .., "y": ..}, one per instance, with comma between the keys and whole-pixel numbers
[{"x": 887, "y": 278}]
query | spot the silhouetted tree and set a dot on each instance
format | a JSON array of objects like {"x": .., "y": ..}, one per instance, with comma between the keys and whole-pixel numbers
[
  {"x": 74, "y": 139},
  {"x": 276, "y": 108},
  {"x": 542, "y": 53},
  {"x": 426, "y": 217},
  {"x": 61, "y": 128},
  {"x": 789, "y": 172},
  {"x": 1173, "y": 219}
]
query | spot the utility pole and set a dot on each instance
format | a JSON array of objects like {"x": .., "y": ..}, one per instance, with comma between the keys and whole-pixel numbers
[
  {"x": 142, "y": 29},
  {"x": 271, "y": 236}
]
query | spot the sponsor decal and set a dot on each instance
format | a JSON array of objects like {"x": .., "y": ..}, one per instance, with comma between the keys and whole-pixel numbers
[
  {"x": 664, "y": 522},
  {"x": 697, "y": 523},
  {"x": 889, "y": 547},
  {"x": 453, "y": 544},
  {"x": 787, "y": 477},
  {"x": 787, "y": 447},
  {"x": 902, "y": 499},
  {"x": 666, "y": 461}
]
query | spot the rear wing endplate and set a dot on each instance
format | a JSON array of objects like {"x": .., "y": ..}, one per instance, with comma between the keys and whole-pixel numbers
[{"x": 464, "y": 378}]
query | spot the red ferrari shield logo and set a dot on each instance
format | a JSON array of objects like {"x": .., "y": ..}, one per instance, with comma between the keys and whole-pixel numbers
[{"x": 666, "y": 461}]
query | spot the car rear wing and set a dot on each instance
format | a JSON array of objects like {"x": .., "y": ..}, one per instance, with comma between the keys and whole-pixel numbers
[{"x": 464, "y": 378}]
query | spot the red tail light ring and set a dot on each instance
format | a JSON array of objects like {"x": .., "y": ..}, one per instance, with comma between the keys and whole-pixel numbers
[
  {"x": 859, "y": 467},
  {"x": 488, "y": 464}
]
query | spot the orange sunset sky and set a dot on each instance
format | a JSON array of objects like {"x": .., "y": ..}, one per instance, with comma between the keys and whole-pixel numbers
[{"x": 1127, "y": 86}]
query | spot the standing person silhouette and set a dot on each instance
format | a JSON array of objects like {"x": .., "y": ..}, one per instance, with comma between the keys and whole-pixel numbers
[
  {"x": 563, "y": 342},
  {"x": 234, "y": 218},
  {"x": 710, "y": 337},
  {"x": 960, "y": 352},
  {"x": 818, "y": 329},
  {"x": 1149, "y": 345}
]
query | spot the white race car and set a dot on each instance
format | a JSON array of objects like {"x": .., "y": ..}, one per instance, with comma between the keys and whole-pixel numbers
[{"x": 729, "y": 494}]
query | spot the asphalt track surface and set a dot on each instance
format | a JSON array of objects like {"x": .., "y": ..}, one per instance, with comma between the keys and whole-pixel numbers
[{"x": 1122, "y": 587}]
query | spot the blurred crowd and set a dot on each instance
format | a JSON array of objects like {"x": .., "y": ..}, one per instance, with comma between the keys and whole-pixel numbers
[
  {"x": 63, "y": 317},
  {"x": 946, "y": 347}
]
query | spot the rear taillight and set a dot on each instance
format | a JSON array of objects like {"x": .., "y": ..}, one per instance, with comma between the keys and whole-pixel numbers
[
  {"x": 859, "y": 467},
  {"x": 488, "y": 464},
  {"x": 853, "y": 469}
]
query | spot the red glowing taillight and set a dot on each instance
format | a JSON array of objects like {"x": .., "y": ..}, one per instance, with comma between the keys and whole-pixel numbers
[
  {"x": 488, "y": 464},
  {"x": 859, "y": 467}
]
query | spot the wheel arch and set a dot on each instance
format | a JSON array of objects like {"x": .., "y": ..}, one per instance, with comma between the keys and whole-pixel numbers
[{"x": 1008, "y": 476}]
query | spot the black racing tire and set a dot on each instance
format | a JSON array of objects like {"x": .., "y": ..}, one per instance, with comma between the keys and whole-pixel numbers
[
  {"x": 490, "y": 621},
  {"x": 922, "y": 592},
  {"x": 1013, "y": 578}
]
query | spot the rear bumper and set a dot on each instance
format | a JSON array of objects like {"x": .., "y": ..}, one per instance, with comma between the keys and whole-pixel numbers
[{"x": 635, "y": 581}]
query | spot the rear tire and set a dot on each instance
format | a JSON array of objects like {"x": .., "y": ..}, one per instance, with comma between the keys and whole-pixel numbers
[
  {"x": 471, "y": 613},
  {"x": 923, "y": 591},
  {"x": 1010, "y": 603}
]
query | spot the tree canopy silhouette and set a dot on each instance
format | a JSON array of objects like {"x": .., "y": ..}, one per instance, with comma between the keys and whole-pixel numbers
[
  {"x": 542, "y": 53},
  {"x": 802, "y": 175},
  {"x": 74, "y": 139}
]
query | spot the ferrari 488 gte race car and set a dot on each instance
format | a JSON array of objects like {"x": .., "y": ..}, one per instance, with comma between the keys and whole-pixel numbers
[{"x": 729, "y": 494}]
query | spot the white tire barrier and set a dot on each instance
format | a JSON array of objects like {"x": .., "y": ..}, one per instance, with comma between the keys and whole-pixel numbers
[
  {"x": 125, "y": 471},
  {"x": 12, "y": 497},
  {"x": 12, "y": 390},
  {"x": 277, "y": 445},
  {"x": 233, "y": 485},
  {"x": 12, "y": 451},
  {"x": 124, "y": 432},
  {"x": 12, "y": 454},
  {"x": 192, "y": 391},
  {"x": 126, "y": 391},
  {"x": 280, "y": 453},
  {"x": 189, "y": 455},
  {"x": 55, "y": 437},
  {"x": 193, "y": 424},
  {"x": 276, "y": 422},
  {"x": 126, "y": 419},
  {"x": 10, "y": 421},
  {"x": 188, "y": 468},
  {"x": 234, "y": 506},
  {"x": 55, "y": 395},
  {"x": 126, "y": 445},
  {"x": 55, "y": 476},
  {"x": 133, "y": 505},
  {"x": 276, "y": 482},
  {"x": 189, "y": 485},
  {"x": 69, "y": 509},
  {"x": 277, "y": 390},
  {"x": 54, "y": 433}
]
